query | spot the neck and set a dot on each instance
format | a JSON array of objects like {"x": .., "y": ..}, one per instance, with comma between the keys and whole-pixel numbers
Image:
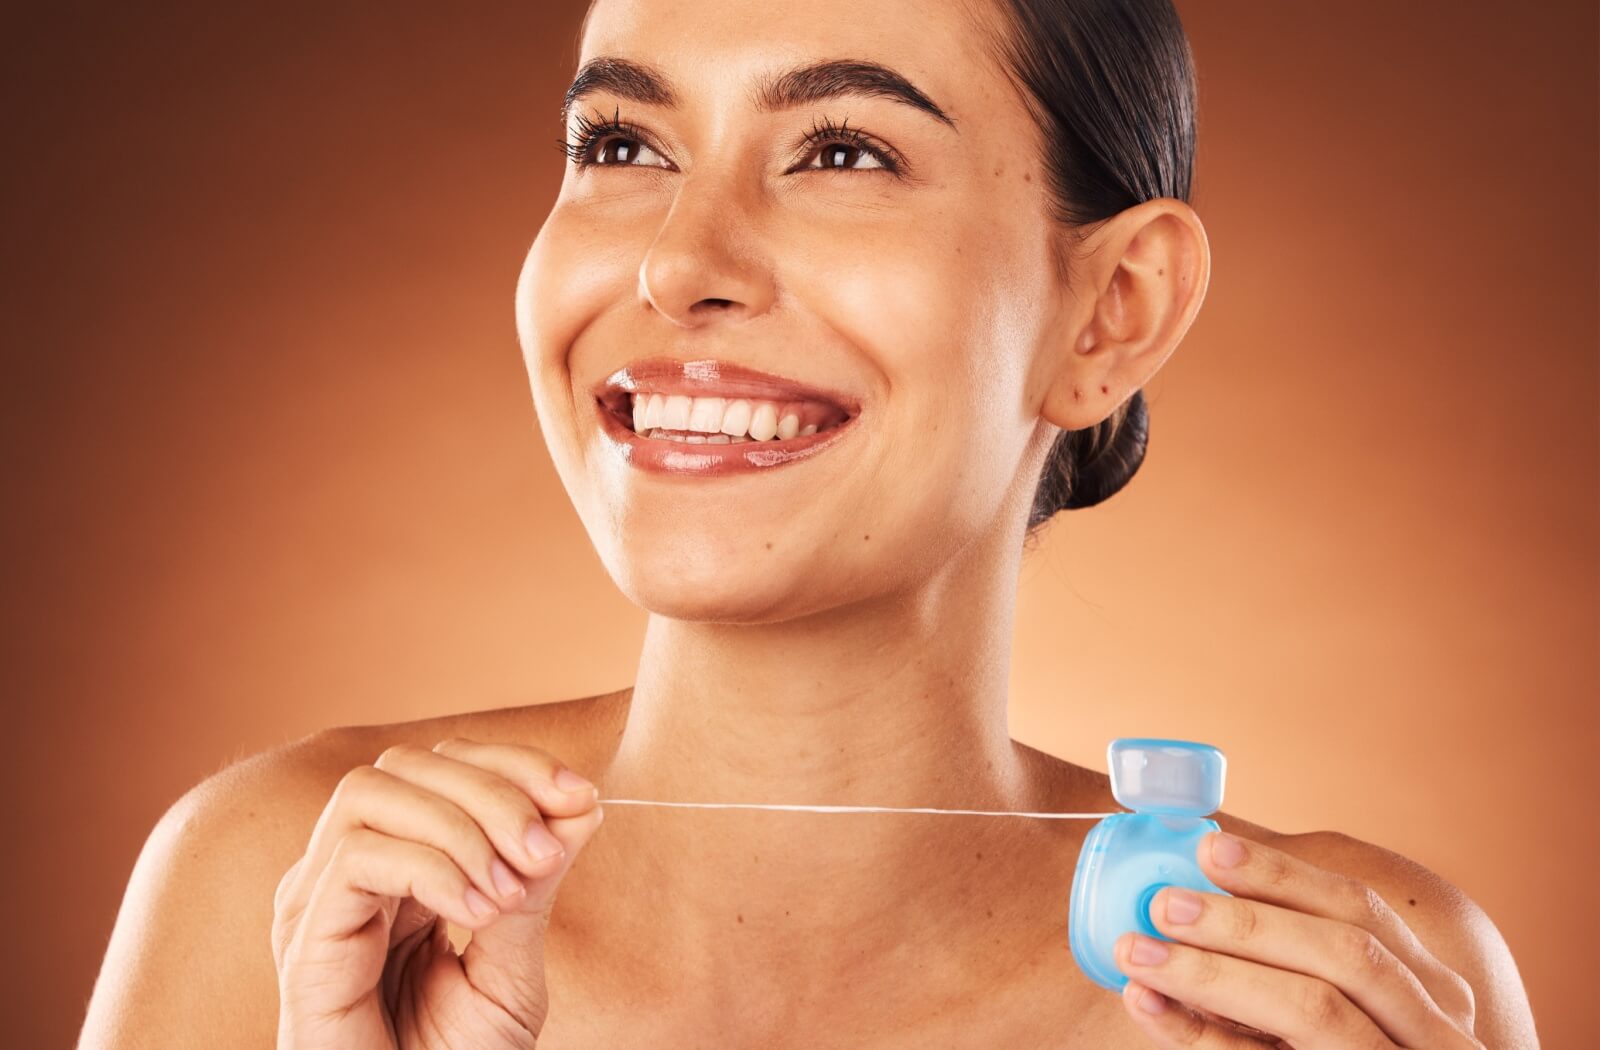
[{"x": 900, "y": 702}]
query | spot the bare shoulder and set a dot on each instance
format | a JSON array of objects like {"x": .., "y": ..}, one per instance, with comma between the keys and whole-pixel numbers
[
  {"x": 581, "y": 732},
  {"x": 1449, "y": 923},
  {"x": 189, "y": 962}
]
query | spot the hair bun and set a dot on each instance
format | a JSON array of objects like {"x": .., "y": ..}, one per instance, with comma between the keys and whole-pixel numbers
[
  {"x": 1099, "y": 472},
  {"x": 1088, "y": 466}
]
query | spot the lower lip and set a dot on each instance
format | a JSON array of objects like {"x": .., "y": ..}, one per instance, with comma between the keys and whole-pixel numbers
[{"x": 664, "y": 456}]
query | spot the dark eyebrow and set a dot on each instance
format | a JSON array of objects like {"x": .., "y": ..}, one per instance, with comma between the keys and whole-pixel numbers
[{"x": 795, "y": 87}]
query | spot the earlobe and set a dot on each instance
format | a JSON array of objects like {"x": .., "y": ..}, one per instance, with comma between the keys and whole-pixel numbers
[{"x": 1143, "y": 278}]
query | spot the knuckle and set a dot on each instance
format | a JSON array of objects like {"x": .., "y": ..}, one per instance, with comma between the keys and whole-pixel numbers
[
  {"x": 356, "y": 782},
  {"x": 1368, "y": 904},
  {"x": 462, "y": 831},
  {"x": 1321, "y": 1005},
  {"x": 350, "y": 848},
  {"x": 280, "y": 896},
  {"x": 513, "y": 809},
  {"x": 1275, "y": 870},
  {"x": 538, "y": 758},
  {"x": 465, "y": 838},
  {"x": 442, "y": 873},
  {"x": 1360, "y": 951},
  {"x": 1204, "y": 969},
  {"x": 398, "y": 756},
  {"x": 1459, "y": 1000},
  {"x": 1243, "y": 921}
]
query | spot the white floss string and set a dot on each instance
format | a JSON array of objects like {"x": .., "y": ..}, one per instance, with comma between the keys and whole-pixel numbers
[{"x": 853, "y": 809}]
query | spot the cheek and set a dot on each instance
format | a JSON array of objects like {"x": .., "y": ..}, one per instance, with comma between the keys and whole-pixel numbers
[
  {"x": 573, "y": 274},
  {"x": 575, "y": 271},
  {"x": 951, "y": 322}
]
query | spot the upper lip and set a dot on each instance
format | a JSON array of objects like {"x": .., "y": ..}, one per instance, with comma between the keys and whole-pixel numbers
[{"x": 714, "y": 377}]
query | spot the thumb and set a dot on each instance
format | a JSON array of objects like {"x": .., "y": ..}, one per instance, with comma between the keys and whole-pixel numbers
[{"x": 505, "y": 960}]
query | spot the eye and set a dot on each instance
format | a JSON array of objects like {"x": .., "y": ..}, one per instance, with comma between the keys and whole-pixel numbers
[
  {"x": 616, "y": 142},
  {"x": 833, "y": 143}
]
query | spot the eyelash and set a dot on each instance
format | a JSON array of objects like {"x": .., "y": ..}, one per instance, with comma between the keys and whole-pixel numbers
[{"x": 823, "y": 133}]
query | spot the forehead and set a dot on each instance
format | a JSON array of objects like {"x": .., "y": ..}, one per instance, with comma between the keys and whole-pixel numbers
[{"x": 712, "y": 47}]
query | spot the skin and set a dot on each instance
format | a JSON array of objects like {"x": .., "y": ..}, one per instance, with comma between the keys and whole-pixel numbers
[{"x": 836, "y": 631}]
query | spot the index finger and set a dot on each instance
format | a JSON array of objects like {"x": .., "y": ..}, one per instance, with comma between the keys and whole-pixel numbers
[{"x": 556, "y": 789}]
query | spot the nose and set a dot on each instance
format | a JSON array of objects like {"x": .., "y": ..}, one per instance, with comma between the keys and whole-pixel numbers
[{"x": 706, "y": 262}]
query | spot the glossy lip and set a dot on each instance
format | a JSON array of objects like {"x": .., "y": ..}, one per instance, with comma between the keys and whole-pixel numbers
[{"x": 710, "y": 378}]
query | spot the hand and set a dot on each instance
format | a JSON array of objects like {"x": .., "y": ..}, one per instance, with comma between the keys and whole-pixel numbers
[
  {"x": 480, "y": 834},
  {"x": 1300, "y": 957}
]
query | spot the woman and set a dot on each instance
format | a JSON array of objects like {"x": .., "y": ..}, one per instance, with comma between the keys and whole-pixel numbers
[{"x": 828, "y": 319}]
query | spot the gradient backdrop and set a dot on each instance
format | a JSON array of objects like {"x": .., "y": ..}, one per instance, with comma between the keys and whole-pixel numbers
[{"x": 275, "y": 465}]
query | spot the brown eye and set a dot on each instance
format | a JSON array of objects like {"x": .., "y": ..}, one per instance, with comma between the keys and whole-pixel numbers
[
  {"x": 617, "y": 149},
  {"x": 840, "y": 147},
  {"x": 613, "y": 143},
  {"x": 835, "y": 156}
]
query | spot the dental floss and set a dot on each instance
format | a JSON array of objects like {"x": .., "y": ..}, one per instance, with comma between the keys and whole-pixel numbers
[
  {"x": 1170, "y": 787},
  {"x": 852, "y": 809}
]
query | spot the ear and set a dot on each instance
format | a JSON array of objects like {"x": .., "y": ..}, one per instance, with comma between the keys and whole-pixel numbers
[{"x": 1136, "y": 284}]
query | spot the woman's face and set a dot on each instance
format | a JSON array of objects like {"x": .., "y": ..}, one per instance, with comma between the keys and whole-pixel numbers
[{"x": 921, "y": 302}]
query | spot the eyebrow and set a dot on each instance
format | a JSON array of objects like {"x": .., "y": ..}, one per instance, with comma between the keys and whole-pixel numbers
[{"x": 834, "y": 78}]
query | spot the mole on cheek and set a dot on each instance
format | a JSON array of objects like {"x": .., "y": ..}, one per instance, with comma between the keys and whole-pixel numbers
[{"x": 769, "y": 545}]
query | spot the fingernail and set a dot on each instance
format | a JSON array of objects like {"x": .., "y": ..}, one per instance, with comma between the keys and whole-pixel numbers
[
  {"x": 1182, "y": 906},
  {"x": 1147, "y": 952},
  {"x": 477, "y": 903},
  {"x": 541, "y": 844},
  {"x": 567, "y": 780},
  {"x": 505, "y": 880},
  {"x": 1152, "y": 1001},
  {"x": 1226, "y": 851}
]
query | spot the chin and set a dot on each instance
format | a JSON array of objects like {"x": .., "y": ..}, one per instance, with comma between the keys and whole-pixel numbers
[
  {"x": 713, "y": 577},
  {"x": 729, "y": 598}
]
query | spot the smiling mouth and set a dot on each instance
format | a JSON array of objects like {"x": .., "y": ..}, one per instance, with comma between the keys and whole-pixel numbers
[
  {"x": 715, "y": 402},
  {"x": 714, "y": 420}
]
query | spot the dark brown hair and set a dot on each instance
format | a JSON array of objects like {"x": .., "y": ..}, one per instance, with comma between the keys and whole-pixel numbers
[{"x": 1112, "y": 86}]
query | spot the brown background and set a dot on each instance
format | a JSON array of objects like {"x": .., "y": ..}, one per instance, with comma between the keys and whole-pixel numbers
[{"x": 276, "y": 465}]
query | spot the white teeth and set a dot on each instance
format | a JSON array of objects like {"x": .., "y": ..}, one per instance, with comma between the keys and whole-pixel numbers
[
  {"x": 706, "y": 415},
  {"x": 764, "y": 422},
  {"x": 714, "y": 419},
  {"x": 675, "y": 416},
  {"x": 736, "y": 420}
]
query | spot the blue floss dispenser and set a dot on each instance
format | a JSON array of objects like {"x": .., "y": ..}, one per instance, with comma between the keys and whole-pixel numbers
[{"x": 1171, "y": 786}]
